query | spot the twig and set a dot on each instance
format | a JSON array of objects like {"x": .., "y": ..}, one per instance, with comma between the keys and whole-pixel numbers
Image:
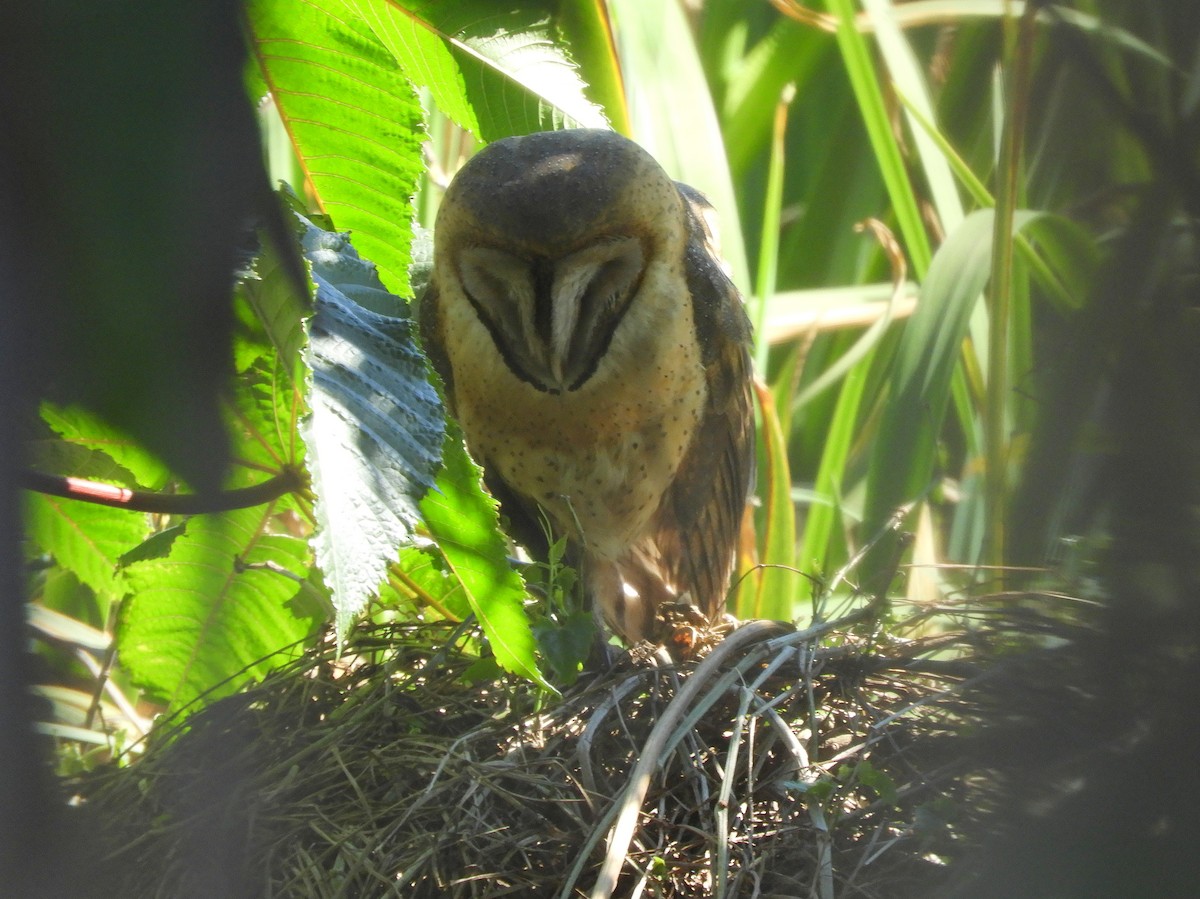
[
  {"x": 658, "y": 742},
  {"x": 101, "y": 494}
]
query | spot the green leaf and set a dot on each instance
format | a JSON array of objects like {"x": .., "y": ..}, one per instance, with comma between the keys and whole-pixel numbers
[
  {"x": 778, "y": 589},
  {"x": 263, "y": 416},
  {"x": 60, "y": 590},
  {"x": 902, "y": 462},
  {"x": 934, "y": 818},
  {"x": 907, "y": 78},
  {"x": 156, "y": 546},
  {"x": 207, "y": 616},
  {"x": 565, "y": 644},
  {"x": 353, "y": 117},
  {"x": 264, "y": 410},
  {"x": 463, "y": 520},
  {"x": 789, "y": 54},
  {"x": 818, "y": 790},
  {"x": 495, "y": 71},
  {"x": 57, "y": 456},
  {"x": 85, "y": 539},
  {"x": 823, "y": 516},
  {"x": 877, "y": 780},
  {"x": 889, "y": 158},
  {"x": 422, "y": 577},
  {"x": 374, "y": 436},
  {"x": 81, "y": 428},
  {"x": 672, "y": 112},
  {"x": 277, "y": 326},
  {"x": 1069, "y": 258},
  {"x": 587, "y": 31}
]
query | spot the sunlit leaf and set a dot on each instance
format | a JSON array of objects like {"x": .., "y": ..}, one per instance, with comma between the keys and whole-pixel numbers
[
  {"x": 353, "y": 118},
  {"x": 86, "y": 539},
  {"x": 463, "y": 520},
  {"x": 424, "y": 580},
  {"x": 860, "y": 68},
  {"x": 789, "y": 54},
  {"x": 587, "y": 29},
  {"x": 268, "y": 294},
  {"x": 81, "y": 428},
  {"x": 779, "y": 582},
  {"x": 905, "y": 72},
  {"x": 208, "y": 615},
  {"x": 495, "y": 70},
  {"x": 824, "y": 516},
  {"x": 903, "y": 461}
]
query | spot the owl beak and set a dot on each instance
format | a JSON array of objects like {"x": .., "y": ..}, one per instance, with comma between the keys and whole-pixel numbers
[
  {"x": 590, "y": 292},
  {"x": 565, "y": 302}
]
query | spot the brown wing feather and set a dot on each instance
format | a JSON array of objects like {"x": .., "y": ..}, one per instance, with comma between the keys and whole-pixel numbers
[{"x": 699, "y": 520}]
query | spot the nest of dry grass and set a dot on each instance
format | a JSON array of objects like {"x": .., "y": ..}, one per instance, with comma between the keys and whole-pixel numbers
[{"x": 826, "y": 763}]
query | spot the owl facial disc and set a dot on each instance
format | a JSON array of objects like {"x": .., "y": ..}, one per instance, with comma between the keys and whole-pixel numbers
[{"x": 552, "y": 319}]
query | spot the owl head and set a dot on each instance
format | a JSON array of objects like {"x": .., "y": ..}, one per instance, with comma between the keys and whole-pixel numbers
[{"x": 548, "y": 236}]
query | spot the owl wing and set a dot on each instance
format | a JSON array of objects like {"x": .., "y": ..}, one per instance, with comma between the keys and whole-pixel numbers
[{"x": 698, "y": 523}]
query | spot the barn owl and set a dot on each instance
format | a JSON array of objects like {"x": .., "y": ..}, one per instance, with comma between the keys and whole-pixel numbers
[{"x": 597, "y": 358}]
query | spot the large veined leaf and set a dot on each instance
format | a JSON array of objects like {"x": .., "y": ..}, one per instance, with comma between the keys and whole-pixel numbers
[
  {"x": 263, "y": 415},
  {"x": 588, "y": 32},
  {"x": 352, "y": 116},
  {"x": 374, "y": 436},
  {"x": 80, "y": 428},
  {"x": 496, "y": 70},
  {"x": 212, "y": 610},
  {"x": 271, "y": 311},
  {"x": 85, "y": 539},
  {"x": 464, "y": 521},
  {"x": 265, "y": 411}
]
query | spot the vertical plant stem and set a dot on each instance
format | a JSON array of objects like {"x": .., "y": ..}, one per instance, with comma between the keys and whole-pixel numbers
[
  {"x": 768, "y": 254},
  {"x": 865, "y": 82},
  {"x": 1007, "y": 190},
  {"x": 822, "y": 518},
  {"x": 777, "y": 589}
]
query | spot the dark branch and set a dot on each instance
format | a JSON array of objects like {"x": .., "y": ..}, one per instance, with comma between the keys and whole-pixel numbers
[{"x": 86, "y": 491}]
